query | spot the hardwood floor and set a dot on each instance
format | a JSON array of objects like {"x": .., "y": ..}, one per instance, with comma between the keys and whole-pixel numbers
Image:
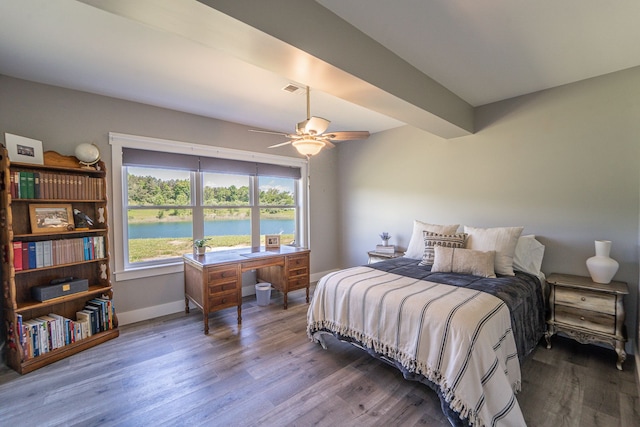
[{"x": 266, "y": 372}]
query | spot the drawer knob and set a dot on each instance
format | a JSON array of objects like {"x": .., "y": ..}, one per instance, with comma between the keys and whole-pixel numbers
[
  {"x": 582, "y": 318},
  {"x": 224, "y": 300},
  {"x": 583, "y": 299}
]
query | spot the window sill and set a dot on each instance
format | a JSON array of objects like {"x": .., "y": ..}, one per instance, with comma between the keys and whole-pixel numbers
[{"x": 156, "y": 270}]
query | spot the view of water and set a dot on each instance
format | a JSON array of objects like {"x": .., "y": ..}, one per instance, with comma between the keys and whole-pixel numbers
[{"x": 215, "y": 228}]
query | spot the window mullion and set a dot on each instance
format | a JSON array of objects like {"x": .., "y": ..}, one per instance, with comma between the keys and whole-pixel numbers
[
  {"x": 197, "y": 194},
  {"x": 254, "y": 201}
]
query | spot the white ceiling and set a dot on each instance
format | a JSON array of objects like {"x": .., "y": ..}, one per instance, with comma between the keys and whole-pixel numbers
[{"x": 483, "y": 51}]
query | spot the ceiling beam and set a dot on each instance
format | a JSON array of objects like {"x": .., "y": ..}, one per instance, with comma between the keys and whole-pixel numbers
[{"x": 307, "y": 43}]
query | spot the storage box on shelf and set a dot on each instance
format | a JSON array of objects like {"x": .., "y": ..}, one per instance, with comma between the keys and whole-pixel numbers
[{"x": 34, "y": 259}]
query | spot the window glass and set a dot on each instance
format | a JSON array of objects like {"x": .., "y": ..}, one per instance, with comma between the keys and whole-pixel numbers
[
  {"x": 277, "y": 208},
  {"x": 158, "y": 187},
  {"x": 225, "y": 189},
  {"x": 227, "y": 228},
  {"x": 159, "y": 214}
]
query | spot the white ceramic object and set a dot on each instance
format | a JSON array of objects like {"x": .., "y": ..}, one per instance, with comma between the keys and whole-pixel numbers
[{"x": 601, "y": 267}]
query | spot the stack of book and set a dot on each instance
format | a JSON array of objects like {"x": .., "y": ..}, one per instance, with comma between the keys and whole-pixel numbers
[
  {"x": 43, "y": 334},
  {"x": 388, "y": 249},
  {"x": 29, "y": 255}
]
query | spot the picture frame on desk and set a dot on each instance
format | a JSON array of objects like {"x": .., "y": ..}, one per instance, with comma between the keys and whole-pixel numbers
[
  {"x": 24, "y": 150},
  {"x": 51, "y": 218},
  {"x": 272, "y": 241}
]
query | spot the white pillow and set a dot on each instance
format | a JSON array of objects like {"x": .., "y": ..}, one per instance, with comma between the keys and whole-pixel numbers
[
  {"x": 466, "y": 261},
  {"x": 431, "y": 240},
  {"x": 503, "y": 240},
  {"x": 528, "y": 255},
  {"x": 415, "y": 249}
]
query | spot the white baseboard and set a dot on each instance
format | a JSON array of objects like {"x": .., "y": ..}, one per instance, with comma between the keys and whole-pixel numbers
[{"x": 147, "y": 313}]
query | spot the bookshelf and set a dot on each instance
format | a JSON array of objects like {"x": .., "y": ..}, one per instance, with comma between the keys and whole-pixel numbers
[{"x": 41, "y": 243}]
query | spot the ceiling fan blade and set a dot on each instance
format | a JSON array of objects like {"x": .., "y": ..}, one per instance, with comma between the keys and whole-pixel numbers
[
  {"x": 329, "y": 144},
  {"x": 281, "y": 144},
  {"x": 269, "y": 132},
  {"x": 347, "y": 135},
  {"x": 313, "y": 126}
]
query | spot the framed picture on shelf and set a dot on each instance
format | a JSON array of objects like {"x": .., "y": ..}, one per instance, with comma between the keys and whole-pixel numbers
[
  {"x": 24, "y": 150},
  {"x": 51, "y": 218},
  {"x": 271, "y": 241}
]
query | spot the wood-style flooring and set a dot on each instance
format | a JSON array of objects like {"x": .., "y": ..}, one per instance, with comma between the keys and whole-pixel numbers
[{"x": 266, "y": 372}]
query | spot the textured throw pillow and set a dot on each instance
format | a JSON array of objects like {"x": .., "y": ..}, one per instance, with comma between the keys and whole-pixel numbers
[
  {"x": 503, "y": 240},
  {"x": 466, "y": 261},
  {"x": 528, "y": 255},
  {"x": 431, "y": 240},
  {"x": 416, "y": 243}
]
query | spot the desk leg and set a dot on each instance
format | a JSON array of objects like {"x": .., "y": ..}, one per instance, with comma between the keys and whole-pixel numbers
[
  {"x": 239, "y": 313},
  {"x": 286, "y": 302},
  {"x": 307, "y": 294},
  {"x": 186, "y": 305},
  {"x": 205, "y": 318}
]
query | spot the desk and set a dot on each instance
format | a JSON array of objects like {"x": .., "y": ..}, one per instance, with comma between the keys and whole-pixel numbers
[{"x": 213, "y": 281}]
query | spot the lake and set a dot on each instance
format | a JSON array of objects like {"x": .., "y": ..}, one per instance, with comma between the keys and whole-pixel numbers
[{"x": 211, "y": 228}]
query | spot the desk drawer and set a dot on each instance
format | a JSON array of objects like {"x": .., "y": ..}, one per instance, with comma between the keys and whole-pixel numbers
[
  {"x": 223, "y": 301},
  {"x": 222, "y": 274},
  {"x": 298, "y": 282},
  {"x": 297, "y": 261},
  {"x": 586, "y": 319},
  {"x": 261, "y": 263},
  {"x": 588, "y": 300},
  {"x": 222, "y": 287}
]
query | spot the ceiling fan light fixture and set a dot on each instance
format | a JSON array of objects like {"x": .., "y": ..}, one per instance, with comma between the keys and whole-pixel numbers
[{"x": 308, "y": 146}]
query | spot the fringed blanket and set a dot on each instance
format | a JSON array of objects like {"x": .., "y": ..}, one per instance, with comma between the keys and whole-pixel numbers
[{"x": 460, "y": 339}]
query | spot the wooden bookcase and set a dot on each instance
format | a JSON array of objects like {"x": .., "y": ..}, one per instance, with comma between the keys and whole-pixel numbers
[{"x": 16, "y": 227}]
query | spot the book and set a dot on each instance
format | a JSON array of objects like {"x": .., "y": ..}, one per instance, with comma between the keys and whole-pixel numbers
[
  {"x": 39, "y": 254},
  {"x": 30, "y": 185},
  {"x": 25, "y": 255},
  {"x": 37, "y": 191},
  {"x": 46, "y": 254},
  {"x": 83, "y": 317},
  {"x": 382, "y": 249},
  {"x": 17, "y": 255},
  {"x": 95, "y": 318},
  {"x": 32, "y": 255},
  {"x": 100, "y": 311}
]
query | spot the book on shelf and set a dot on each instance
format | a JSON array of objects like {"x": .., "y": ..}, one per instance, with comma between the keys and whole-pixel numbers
[
  {"x": 17, "y": 255},
  {"x": 388, "y": 249}
]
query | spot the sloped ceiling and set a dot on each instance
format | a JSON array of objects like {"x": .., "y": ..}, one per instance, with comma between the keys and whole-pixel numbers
[{"x": 372, "y": 64}]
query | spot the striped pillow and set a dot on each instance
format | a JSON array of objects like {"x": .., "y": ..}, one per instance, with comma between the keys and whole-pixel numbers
[{"x": 431, "y": 240}]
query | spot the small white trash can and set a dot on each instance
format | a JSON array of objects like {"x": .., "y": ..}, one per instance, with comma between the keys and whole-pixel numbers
[{"x": 263, "y": 293}]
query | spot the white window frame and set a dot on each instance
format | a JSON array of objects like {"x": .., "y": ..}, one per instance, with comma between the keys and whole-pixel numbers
[{"x": 118, "y": 141}]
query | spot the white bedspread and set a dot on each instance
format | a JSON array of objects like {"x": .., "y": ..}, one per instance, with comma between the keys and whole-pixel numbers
[{"x": 459, "y": 339}]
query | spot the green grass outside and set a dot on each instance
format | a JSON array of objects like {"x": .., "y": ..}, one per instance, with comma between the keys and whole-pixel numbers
[
  {"x": 151, "y": 215},
  {"x": 159, "y": 248}
]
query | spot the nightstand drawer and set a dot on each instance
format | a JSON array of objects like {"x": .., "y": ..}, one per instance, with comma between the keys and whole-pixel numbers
[
  {"x": 591, "y": 320},
  {"x": 587, "y": 300}
]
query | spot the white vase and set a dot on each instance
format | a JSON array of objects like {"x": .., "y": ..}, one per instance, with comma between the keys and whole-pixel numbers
[{"x": 601, "y": 267}]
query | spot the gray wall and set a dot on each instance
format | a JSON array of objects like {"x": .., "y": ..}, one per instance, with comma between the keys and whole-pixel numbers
[
  {"x": 563, "y": 163},
  {"x": 63, "y": 118}
]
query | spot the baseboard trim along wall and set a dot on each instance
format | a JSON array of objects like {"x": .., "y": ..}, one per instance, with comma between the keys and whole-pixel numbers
[{"x": 133, "y": 316}]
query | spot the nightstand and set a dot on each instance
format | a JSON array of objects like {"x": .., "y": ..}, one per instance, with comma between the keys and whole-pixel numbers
[
  {"x": 588, "y": 312},
  {"x": 378, "y": 256}
]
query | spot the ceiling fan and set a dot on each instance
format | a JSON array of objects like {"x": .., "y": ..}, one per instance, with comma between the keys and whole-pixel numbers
[{"x": 310, "y": 138}]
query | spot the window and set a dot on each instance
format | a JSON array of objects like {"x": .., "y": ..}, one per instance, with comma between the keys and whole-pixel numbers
[{"x": 168, "y": 198}]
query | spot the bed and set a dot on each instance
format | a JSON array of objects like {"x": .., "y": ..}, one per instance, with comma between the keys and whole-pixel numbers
[{"x": 461, "y": 334}]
